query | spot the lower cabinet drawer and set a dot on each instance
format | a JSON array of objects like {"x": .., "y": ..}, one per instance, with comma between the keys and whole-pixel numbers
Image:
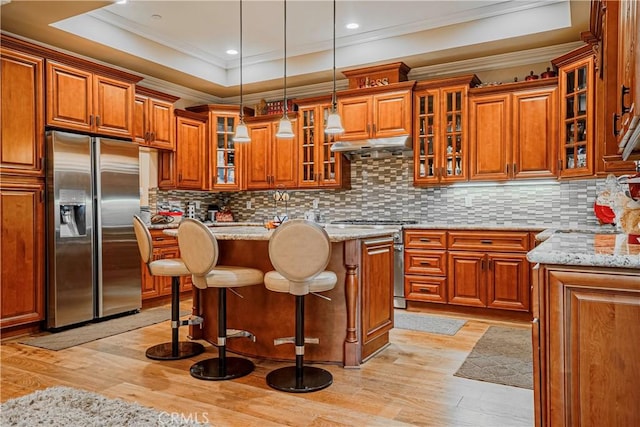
[
  {"x": 425, "y": 288},
  {"x": 417, "y": 261}
]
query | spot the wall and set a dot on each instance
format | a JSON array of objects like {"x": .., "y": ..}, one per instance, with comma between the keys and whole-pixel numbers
[{"x": 382, "y": 189}]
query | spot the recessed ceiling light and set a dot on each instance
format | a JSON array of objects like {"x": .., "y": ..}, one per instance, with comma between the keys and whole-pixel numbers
[
  {"x": 121, "y": 2},
  {"x": 352, "y": 25},
  {"x": 232, "y": 52},
  {"x": 156, "y": 17}
]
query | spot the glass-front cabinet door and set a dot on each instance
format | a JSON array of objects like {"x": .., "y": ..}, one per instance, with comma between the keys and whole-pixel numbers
[
  {"x": 440, "y": 134},
  {"x": 225, "y": 152},
  {"x": 319, "y": 166},
  {"x": 576, "y": 126}
]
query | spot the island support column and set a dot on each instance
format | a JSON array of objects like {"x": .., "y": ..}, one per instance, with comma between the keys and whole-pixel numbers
[{"x": 352, "y": 344}]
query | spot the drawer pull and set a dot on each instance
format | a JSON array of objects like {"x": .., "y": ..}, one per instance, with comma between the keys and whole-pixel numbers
[
  {"x": 425, "y": 290},
  {"x": 486, "y": 242},
  {"x": 424, "y": 239},
  {"x": 425, "y": 262}
]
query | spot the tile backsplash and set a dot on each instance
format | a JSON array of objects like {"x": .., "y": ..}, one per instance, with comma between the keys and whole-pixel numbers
[{"x": 383, "y": 189}]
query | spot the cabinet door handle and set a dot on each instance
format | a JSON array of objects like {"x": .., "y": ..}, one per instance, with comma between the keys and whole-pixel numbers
[
  {"x": 425, "y": 290},
  {"x": 424, "y": 239},
  {"x": 41, "y": 163},
  {"x": 97, "y": 120},
  {"x": 91, "y": 120},
  {"x": 506, "y": 168},
  {"x": 515, "y": 169},
  {"x": 490, "y": 264},
  {"x": 559, "y": 164},
  {"x": 425, "y": 263},
  {"x": 374, "y": 128},
  {"x": 624, "y": 91},
  {"x": 368, "y": 128},
  {"x": 616, "y": 131},
  {"x": 180, "y": 177},
  {"x": 482, "y": 264},
  {"x": 152, "y": 137},
  {"x": 146, "y": 136},
  {"x": 486, "y": 242}
]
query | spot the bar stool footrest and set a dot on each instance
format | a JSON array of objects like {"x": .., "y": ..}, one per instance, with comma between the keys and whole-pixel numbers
[
  {"x": 166, "y": 351},
  {"x": 312, "y": 379},
  {"x": 219, "y": 370}
]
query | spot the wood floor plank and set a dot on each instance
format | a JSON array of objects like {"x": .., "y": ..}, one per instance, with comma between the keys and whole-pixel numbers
[{"x": 411, "y": 382}]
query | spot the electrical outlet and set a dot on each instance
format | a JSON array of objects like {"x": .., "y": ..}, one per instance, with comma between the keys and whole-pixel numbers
[
  {"x": 248, "y": 204},
  {"x": 315, "y": 203},
  {"x": 468, "y": 201}
]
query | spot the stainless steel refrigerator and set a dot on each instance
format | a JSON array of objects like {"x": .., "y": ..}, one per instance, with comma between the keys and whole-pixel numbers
[{"x": 93, "y": 191}]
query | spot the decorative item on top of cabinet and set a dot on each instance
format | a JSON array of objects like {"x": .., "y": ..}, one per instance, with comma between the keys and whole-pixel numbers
[
  {"x": 440, "y": 130},
  {"x": 23, "y": 249},
  {"x": 186, "y": 167},
  {"x": 575, "y": 79},
  {"x": 489, "y": 269},
  {"x": 90, "y": 98},
  {"x": 271, "y": 162},
  {"x": 513, "y": 130},
  {"x": 22, "y": 118},
  {"x": 225, "y": 170},
  {"x": 376, "y": 112},
  {"x": 318, "y": 166},
  {"x": 153, "y": 119}
]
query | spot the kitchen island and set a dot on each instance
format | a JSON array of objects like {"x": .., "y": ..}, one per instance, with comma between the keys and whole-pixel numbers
[
  {"x": 353, "y": 326},
  {"x": 586, "y": 329}
]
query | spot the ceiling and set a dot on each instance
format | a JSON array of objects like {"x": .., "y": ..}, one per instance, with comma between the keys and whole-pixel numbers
[{"x": 185, "y": 42}]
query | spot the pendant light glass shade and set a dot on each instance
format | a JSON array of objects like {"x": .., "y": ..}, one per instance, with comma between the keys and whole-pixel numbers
[
  {"x": 334, "y": 122},
  {"x": 285, "y": 130},
  {"x": 242, "y": 133}
]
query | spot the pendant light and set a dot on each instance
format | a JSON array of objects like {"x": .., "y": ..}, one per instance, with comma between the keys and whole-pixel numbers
[
  {"x": 285, "y": 130},
  {"x": 334, "y": 123},
  {"x": 242, "y": 133}
]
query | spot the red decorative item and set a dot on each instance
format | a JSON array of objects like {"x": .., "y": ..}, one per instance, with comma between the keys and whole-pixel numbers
[
  {"x": 548, "y": 74},
  {"x": 604, "y": 214},
  {"x": 531, "y": 76}
]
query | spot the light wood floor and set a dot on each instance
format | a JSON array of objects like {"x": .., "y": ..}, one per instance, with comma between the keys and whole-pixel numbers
[{"x": 410, "y": 383}]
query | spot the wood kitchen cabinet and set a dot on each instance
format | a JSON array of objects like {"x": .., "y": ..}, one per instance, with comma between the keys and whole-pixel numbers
[
  {"x": 586, "y": 335},
  {"x": 272, "y": 162},
  {"x": 22, "y": 114},
  {"x": 441, "y": 130},
  {"x": 318, "y": 166},
  {"x": 628, "y": 68},
  {"x": 23, "y": 251},
  {"x": 226, "y": 158},
  {"x": 512, "y": 133},
  {"x": 154, "y": 124},
  {"x": 185, "y": 168},
  {"x": 377, "y": 296},
  {"x": 489, "y": 269},
  {"x": 377, "y": 112},
  {"x": 425, "y": 265},
  {"x": 576, "y": 93},
  {"x": 81, "y": 99}
]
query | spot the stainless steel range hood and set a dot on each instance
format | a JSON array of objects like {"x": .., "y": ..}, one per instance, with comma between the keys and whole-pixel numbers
[{"x": 391, "y": 144}]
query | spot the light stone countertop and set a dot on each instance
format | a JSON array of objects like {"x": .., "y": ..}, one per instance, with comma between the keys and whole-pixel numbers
[
  {"x": 208, "y": 223},
  {"x": 489, "y": 226},
  {"x": 587, "y": 249},
  {"x": 336, "y": 234}
]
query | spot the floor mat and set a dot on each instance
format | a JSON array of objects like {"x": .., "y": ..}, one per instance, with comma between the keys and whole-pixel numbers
[{"x": 427, "y": 323}]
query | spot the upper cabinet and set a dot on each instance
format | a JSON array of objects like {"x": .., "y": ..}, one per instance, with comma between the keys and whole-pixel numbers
[
  {"x": 271, "y": 162},
  {"x": 153, "y": 119},
  {"x": 513, "y": 133},
  {"x": 628, "y": 66},
  {"x": 82, "y": 99},
  {"x": 225, "y": 157},
  {"x": 318, "y": 166},
  {"x": 440, "y": 130},
  {"x": 22, "y": 114},
  {"x": 576, "y": 93}
]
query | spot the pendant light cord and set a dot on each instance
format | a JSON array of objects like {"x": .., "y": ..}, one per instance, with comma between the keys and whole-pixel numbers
[
  {"x": 334, "y": 56},
  {"x": 285, "y": 59},
  {"x": 241, "y": 92}
]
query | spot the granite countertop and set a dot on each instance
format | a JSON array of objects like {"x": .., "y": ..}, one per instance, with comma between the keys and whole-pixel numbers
[
  {"x": 587, "y": 249},
  {"x": 208, "y": 223},
  {"x": 336, "y": 234},
  {"x": 489, "y": 226}
]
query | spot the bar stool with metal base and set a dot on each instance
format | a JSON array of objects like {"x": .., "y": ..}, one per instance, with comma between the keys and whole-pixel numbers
[
  {"x": 299, "y": 251},
  {"x": 173, "y": 268},
  {"x": 199, "y": 250}
]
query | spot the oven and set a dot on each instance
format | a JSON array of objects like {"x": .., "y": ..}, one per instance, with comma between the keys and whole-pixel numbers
[{"x": 398, "y": 252}]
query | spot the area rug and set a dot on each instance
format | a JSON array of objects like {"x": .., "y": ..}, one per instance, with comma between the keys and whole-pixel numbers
[
  {"x": 98, "y": 330},
  {"x": 67, "y": 407},
  {"x": 502, "y": 355},
  {"x": 426, "y": 323}
]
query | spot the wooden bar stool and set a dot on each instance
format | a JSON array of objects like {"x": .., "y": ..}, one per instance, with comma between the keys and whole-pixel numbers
[
  {"x": 199, "y": 250},
  {"x": 173, "y": 268},
  {"x": 299, "y": 251}
]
